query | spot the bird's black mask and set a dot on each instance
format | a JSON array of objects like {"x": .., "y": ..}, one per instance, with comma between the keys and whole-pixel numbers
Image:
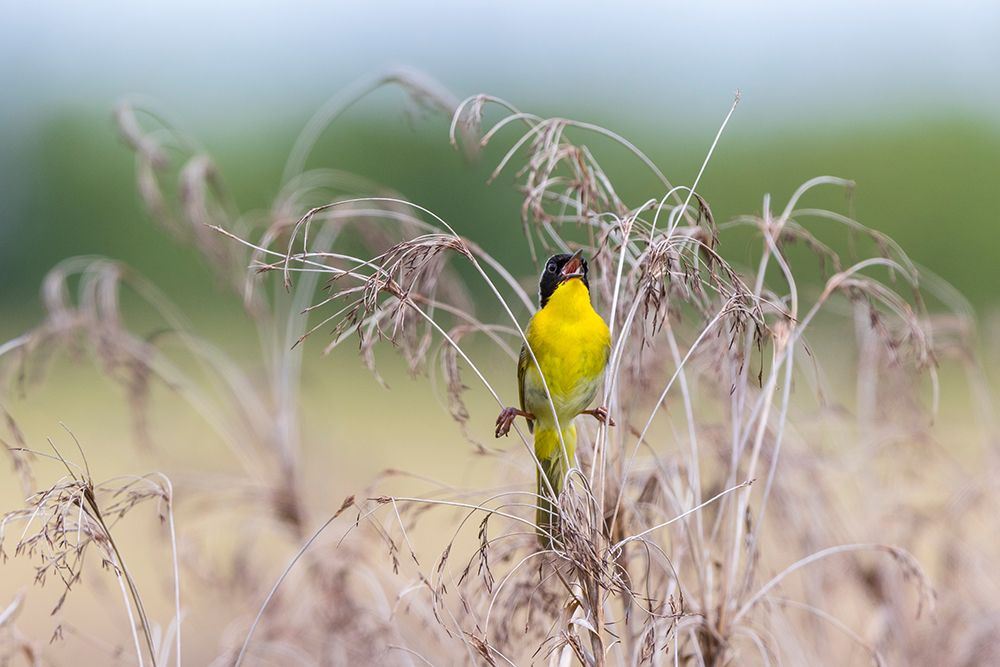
[{"x": 558, "y": 269}]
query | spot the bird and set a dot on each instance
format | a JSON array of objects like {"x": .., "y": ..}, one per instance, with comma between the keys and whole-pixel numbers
[{"x": 571, "y": 343}]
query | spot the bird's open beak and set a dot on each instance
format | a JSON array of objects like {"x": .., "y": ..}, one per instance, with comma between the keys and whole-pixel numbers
[{"x": 573, "y": 268}]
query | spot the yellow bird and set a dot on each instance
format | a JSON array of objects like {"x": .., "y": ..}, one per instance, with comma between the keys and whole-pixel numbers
[{"x": 571, "y": 344}]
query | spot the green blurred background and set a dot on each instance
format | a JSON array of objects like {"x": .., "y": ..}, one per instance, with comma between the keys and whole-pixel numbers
[{"x": 901, "y": 99}]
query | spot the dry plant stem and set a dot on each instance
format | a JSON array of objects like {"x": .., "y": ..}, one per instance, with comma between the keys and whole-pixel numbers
[
  {"x": 659, "y": 402},
  {"x": 87, "y": 499},
  {"x": 694, "y": 465},
  {"x": 413, "y": 81},
  {"x": 778, "y": 436},
  {"x": 551, "y": 130},
  {"x": 639, "y": 578},
  {"x": 472, "y": 258},
  {"x": 693, "y": 510},
  {"x": 274, "y": 589},
  {"x": 762, "y": 423},
  {"x": 835, "y": 622},
  {"x": 744, "y": 498},
  {"x": 176, "y": 566},
  {"x": 207, "y": 356},
  {"x": 83, "y": 498},
  {"x": 708, "y": 156},
  {"x": 411, "y": 303},
  {"x": 131, "y": 618},
  {"x": 831, "y": 551},
  {"x": 600, "y": 453},
  {"x": 133, "y": 589},
  {"x": 771, "y": 232},
  {"x": 600, "y": 450}
]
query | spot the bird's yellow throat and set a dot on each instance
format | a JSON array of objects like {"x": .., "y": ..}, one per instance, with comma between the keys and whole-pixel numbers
[{"x": 571, "y": 342}]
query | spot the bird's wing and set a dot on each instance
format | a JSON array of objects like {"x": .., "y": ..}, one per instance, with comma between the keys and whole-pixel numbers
[{"x": 522, "y": 366}]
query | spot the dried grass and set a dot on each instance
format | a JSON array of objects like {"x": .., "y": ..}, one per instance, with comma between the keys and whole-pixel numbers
[{"x": 738, "y": 514}]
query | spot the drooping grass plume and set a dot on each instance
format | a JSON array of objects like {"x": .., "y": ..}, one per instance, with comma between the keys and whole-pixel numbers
[{"x": 745, "y": 509}]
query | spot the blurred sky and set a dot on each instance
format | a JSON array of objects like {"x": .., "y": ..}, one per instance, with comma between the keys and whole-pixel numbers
[{"x": 639, "y": 59}]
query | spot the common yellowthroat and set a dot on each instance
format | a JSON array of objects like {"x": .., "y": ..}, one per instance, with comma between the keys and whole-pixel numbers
[{"x": 571, "y": 343}]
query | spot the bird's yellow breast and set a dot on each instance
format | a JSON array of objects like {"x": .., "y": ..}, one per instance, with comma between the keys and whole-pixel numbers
[{"x": 572, "y": 344}]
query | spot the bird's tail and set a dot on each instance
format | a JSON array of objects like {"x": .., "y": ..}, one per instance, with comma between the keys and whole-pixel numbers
[{"x": 555, "y": 461}]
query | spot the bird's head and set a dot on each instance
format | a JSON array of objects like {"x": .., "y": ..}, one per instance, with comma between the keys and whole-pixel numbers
[{"x": 560, "y": 269}]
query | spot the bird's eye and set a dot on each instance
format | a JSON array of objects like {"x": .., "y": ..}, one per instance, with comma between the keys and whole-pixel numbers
[{"x": 551, "y": 268}]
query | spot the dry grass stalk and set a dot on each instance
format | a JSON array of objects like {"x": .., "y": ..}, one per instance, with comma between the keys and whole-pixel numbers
[
  {"x": 74, "y": 516},
  {"x": 652, "y": 273},
  {"x": 723, "y": 521}
]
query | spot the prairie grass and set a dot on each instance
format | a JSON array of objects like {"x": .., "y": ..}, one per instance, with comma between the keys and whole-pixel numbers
[{"x": 745, "y": 509}]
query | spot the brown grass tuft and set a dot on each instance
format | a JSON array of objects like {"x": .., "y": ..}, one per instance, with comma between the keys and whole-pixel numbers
[{"x": 744, "y": 510}]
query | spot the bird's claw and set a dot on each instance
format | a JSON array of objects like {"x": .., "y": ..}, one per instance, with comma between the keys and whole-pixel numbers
[
  {"x": 505, "y": 420},
  {"x": 507, "y": 417},
  {"x": 601, "y": 415}
]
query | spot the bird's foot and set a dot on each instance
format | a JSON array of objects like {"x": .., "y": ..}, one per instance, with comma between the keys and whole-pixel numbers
[
  {"x": 506, "y": 419},
  {"x": 601, "y": 415}
]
